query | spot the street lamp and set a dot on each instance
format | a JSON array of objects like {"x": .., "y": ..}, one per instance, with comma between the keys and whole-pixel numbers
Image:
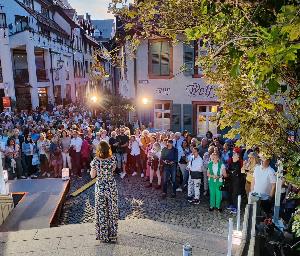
[
  {"x": 94, "y": 99},
  {"x": 145, "y": 101}
]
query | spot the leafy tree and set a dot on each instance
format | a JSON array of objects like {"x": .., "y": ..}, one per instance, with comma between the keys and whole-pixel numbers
[{"x": 253, "y": 54}]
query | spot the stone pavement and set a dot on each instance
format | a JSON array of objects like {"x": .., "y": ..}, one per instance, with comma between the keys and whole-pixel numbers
[
  {"x": 136, "y": 237},
  {"x": 137, "y": 202}
]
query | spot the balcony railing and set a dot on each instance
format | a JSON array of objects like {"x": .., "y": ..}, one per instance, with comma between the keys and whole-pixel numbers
[
  {"x": 42, "y": 75},
  {"x": 1, "y": 76},
  {"x": 21, "y": 75}
]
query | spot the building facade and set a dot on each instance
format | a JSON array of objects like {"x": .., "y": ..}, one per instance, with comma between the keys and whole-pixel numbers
[
  {"x": 169, "y": 89},
  {"x": 46, "y": 53}
]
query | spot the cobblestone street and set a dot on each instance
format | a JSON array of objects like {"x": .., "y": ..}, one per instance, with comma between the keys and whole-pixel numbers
[{"x": 136, "y": 201}]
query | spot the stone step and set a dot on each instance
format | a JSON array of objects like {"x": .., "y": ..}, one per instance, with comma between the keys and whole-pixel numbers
[{"x": 136, "y": 237}]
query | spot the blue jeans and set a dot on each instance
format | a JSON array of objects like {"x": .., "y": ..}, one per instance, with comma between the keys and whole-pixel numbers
[{"x": 169, "y": 170}]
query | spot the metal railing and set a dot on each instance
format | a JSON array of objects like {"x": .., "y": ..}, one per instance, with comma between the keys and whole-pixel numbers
[{"x": 21, "y": 75}]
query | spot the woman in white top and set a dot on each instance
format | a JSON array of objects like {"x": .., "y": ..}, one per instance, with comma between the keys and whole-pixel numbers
[
  {"x": 135, "y": 152},
  {"x": 154, "y": 162}
]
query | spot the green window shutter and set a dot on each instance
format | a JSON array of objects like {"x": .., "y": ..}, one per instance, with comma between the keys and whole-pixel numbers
[
  {"x": 188, "y": 117},
  {"x": 176, "y": 118},
  {"x": 188, "y": 59}
]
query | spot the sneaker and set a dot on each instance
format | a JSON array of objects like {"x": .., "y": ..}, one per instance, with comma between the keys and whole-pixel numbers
[
  {"x": 48, "y": 175},
  {"x": 15, "y": 178},
  {"x": 44, "y": 174},
  {"x": 134, "y": 174},
  {"x": 196, "y": 201},
  {"x": 190, "y": 199},
  {"x": 23, "y": 177},
  {"x": 230, "y": 207},
  {"x": 220, "y": 210},
  {"x": 149, "y": 185},
  {"x": 233, "y": 211},
  {"x": 142, "y": 175},
  {"x": 33, "y": 176},
  {"x": 122, "y": 175},
  {"x": 179, "y": 190}
]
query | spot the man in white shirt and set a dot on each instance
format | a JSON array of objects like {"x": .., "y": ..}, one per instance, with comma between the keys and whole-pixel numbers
[
  {"x": 264, "y": 183},
  {"x": 76, "y": 144},
  {"x": 135, "y": 152},
  {"x": 195, "y": 167}
]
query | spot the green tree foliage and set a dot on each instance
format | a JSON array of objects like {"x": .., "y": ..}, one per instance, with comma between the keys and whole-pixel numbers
[{"x": 253, "y": 54}]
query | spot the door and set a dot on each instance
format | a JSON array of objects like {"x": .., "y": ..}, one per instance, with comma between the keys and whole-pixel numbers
[
  {"x": 162, "y": 116},
  {"x": 43, "y": 97},
  {"x": 23, "y": 98},
  {"x": 207, "y": 119}
]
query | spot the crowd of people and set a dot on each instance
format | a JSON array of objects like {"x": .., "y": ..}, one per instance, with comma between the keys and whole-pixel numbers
[{"x": 38, "y": 144}]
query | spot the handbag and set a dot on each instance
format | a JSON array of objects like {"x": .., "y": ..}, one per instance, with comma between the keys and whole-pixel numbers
[
  {"x": 35, "y": 159},
  {"x": 196, "y": 175}
]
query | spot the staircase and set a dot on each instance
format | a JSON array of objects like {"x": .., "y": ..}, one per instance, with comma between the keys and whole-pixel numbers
[
  {"x": 6, "y": 206},
  {"x": 136, "y": 237}
]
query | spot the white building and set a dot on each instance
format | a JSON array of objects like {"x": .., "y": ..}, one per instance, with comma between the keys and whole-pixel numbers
[
  {"x": 166, "y": 95},
  {"x": 45, "y": 52}
]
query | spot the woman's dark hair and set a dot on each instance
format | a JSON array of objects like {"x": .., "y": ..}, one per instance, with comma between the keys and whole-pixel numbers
[
  {"x": 209, "y": 135},
  {"x": 9, "y": 140},
  {"x": 185, "y": 142},
  {"x": 103, "y": 150}
]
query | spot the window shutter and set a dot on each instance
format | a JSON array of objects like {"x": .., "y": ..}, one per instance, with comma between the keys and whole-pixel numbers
[
  {"x": 188, "y": 59},
  {"x": 188, "y": 117},
  {"x": 176, "y": 118}
]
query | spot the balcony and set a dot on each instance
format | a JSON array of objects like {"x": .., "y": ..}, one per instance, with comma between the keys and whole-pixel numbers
[
  {"x": 21, "y": 75},
  {"x": 42, "y": 75},
  {"x": 1, "y": 76}
]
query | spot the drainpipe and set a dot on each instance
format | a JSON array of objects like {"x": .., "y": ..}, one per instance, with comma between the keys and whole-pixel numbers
[
  {"x": 135, "y": 86},
  {"x": 51, "y": 64}
]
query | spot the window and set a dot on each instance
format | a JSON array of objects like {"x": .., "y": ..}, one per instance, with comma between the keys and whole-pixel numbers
[
  {"x": 160, "y": 58},
  {"x": 28, "y": 3},
  {"x": 2, "y": 20},
  {"x": 45, "y": 11},
  {"x": 191, "y": 53},
  {"x": 162, "y": 115},
  {"x": 21, "y": 23},
  {"x": 207, "y": 119}
]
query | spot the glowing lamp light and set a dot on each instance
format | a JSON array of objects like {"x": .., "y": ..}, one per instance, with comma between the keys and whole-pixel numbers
[
  {"x": 145, "y": 101},
  {"x": 94, "y": 99}
]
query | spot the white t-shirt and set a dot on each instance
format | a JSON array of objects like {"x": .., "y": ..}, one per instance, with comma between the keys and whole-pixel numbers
[
  {"x": 135, "y": 148},
  {"x": 95, "y": 144},
  {"x": 264, "y": 178},
  {"x": 196, "y": 164}
]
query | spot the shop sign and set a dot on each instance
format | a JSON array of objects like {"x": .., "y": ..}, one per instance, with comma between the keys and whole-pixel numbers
[
  {"x": 196, "y": 90},
  {"x": 163, "y": 91}
]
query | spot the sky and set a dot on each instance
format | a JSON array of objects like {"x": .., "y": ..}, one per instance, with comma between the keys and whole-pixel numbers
[{"x": 97, "y": 8}]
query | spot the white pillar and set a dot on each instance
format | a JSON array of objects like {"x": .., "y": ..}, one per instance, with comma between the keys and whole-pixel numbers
[
  {"x": 6, "y": 64},
  {"x": 32, "y": 74},
  {"x": 48, "y": 68}
]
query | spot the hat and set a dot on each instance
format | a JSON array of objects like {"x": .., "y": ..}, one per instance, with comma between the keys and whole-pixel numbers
[{"x": 237, "y": 150}]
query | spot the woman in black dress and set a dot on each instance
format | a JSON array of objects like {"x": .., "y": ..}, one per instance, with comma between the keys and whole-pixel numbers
[{"x": 106, "y": 194}]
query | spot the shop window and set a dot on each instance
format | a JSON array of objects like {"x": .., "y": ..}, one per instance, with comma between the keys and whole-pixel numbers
[{"x": 160, "y": 58}]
